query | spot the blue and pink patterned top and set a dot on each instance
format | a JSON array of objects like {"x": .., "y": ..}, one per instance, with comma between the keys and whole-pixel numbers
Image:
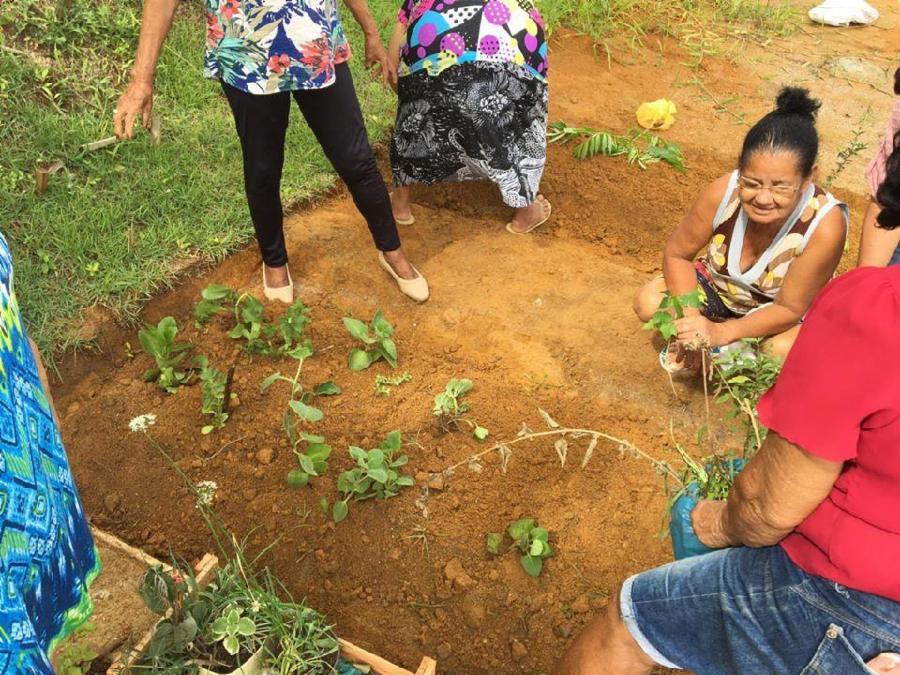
[
  {"x": 444, "y": 33},
  {"x": 268, "y": 46}
]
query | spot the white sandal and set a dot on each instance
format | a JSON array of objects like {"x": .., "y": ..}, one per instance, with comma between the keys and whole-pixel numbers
[
  {"x": 283, "y": 294},
  {"x": 417, "y": 288}
]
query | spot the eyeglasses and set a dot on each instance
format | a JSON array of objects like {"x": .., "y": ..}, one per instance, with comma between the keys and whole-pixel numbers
[{"x": 752, "y": 188}]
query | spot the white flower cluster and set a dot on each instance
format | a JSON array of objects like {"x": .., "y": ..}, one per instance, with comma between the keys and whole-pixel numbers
[
  {"x": 142, "y": 422},
  {"x": 206, "y": 492}
]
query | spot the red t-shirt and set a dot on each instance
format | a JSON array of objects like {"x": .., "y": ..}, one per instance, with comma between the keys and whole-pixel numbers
[{"x": 838, "y": 397}]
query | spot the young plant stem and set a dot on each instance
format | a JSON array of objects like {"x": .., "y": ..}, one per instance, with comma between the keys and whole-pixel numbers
[{"x": 576, "y": 433}]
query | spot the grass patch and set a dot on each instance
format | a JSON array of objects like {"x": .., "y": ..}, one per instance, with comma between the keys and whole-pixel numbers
[{"x": 117, "y": 224}]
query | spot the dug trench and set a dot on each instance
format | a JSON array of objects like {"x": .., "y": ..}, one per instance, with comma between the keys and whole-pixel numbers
[{"x": 542, "y": 321}]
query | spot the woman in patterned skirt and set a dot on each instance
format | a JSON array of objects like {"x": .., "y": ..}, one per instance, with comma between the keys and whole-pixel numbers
[
  {"x": 472, "y": 87},
  {"x": 47, "y": 555},
  {"x": 771, "y": 239}
]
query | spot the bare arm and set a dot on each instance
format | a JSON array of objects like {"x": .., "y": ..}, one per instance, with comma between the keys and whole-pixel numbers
[
  {"x": 876, "y": 245},
  {"x": 776, "y": 491},
  {"x": 138, "y": 97},
  {"x": 398, "y": 36},
  {"x": 375, "y": 53},
  {"x": 689, "y": 238}
]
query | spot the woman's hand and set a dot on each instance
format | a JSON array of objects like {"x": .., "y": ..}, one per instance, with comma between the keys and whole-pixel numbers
[
  {"x": 393, "y": 73},
  {"x": 377, "y": 58},
  {"x": 698, "y": 331},
  {"x": 708, "y": 519}
]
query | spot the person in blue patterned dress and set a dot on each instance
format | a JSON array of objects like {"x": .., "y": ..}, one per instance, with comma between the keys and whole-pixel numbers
[
  {"x": 263, "y": 52},
  {"x": 47, "y": 555},
  {"x": 471, "y": 77}
]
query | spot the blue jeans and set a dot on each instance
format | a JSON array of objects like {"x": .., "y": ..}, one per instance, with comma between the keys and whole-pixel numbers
[{"x": 754, "y": 612}]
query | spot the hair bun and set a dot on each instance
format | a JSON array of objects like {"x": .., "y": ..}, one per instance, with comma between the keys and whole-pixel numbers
[{"x": 797, "y": 101}]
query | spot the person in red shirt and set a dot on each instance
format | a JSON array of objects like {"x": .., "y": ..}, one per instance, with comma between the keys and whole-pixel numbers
[{"x": 808, "y": 578}]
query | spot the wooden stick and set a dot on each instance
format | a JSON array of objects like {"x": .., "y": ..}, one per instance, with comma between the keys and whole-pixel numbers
[
  {"x": 97, "y": 145},
  {"x": 427, "y": 667},
  {"x": 381, "y": 666},
  {"x": 155, "y": 129}
]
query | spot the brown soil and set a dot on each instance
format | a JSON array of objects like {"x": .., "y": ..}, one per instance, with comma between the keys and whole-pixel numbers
[{"x": 539, "y": 321}]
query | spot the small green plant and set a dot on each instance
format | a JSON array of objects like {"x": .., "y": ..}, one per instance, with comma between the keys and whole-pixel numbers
[
  {"x": 376, "y": 475},
  {"x": 639, "y": 146},
  {"x": 532, "y": 541},
  {"x": 383, "y": 384},
  {"x": 671, "y": 308},
  {"x": 231, "y": 628},
  {"x": 377, "y": 339},
  {"x": 449, "y": 409},
  {"x": 855, "y": 146},
  {"x": 159, "y": 342},
  {"x": 313, "y": 461},
  {"x": 214, "y": 299},
  {"x": 285, "y": 338},
  {"x": 214, "y": 385}
]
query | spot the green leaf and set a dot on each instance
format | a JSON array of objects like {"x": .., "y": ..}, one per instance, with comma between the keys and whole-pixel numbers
[
  {"x": 406, "y": 481},
  {"x": 185, "y": 631},
  {"x": 208, "y": 429},
  {"x": 311, "y": 438},
  {"x": 246, "y": 627},
  {"x": 327, "y": 388},
  {"x": 381, "y": 326},
  {"x": 359, "y": 330},
  {"x": 318, "y": 452},
  {"x": 668, "y": 331},
  {"x": 536, "y": 548},
  {"x": 323, "y": 505},
  {"x": 307, "y": 465},
  {"x": 268, "y": 382},
  {"x": 392, "y": 441},
  {"x": 540, "y": 534},
  {"x": 357, "y": 453},
  {"x": 389, "y": 350},
  {"x": 480, "y": 433},
  {"x": 375, "y": 457},
  {"x": 231, "y": 644},
  {"x": 520, "y": 528},
  {"x": 532, "y": 565},
  {"x": 378, "y": 474},
  {"x": 494, "y": 539},
  {"x": 339, "y": 511},
  {"x": 297, "y": 478},
  {"x": 306, "y": 412},
  {"x": 360, "y": 360}
]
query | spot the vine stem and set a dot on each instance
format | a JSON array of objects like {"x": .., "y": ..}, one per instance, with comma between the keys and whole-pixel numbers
[{"x": 563, "y": 431}]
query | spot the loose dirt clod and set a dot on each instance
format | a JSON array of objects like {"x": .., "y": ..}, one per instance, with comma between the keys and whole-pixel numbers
[{"x": 457, "y": 576}]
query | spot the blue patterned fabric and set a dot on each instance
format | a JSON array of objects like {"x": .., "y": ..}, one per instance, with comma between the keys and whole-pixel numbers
[
  {"x": 270, "y": 46},
  {"x": 47, "y": 554}
]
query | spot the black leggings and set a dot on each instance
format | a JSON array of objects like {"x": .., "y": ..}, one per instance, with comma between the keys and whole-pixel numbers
[{"x": 334, "y": 116}]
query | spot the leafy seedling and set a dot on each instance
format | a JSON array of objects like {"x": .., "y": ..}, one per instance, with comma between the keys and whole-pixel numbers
[
  {"x": 533, "y": 542},
  {"x": 450, "y": 410},
  {"x": 638, "y": 146},
  {"x": 231, "y": 627},
  {"x": 377, "y": 340},
  {"x": 493, "y": 541},
  {"x": 671, "y": 308},
  {"x": 249, "y": 324},
  {"x": 286, "y": 338},
  {"x": 159, "y": 342},
  {"x": 376, "y": 475},
  {"x": 214, "y": 299},
  {"x": 313, "y": 461},
  {"x": 216, "y": 394},
  {"x": 383, "y": 384}
]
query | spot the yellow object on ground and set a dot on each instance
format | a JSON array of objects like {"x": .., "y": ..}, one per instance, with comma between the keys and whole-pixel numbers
[{"x": 658, "y": 115}]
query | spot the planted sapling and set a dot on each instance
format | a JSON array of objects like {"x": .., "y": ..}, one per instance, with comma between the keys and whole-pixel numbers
[
  {"x": 159, "y": 342},
  {"x": 671, "y": 308},
  {"x": 450, "y": 410},
  {"x": 531, "y": 540},
  {"x": 286, "y": 338},
  {"x": 215, "y": 386},
  {"x": 214, "y": 299},
  {"x": 377, "y": 342},
  {"x": 375, "y": 476},
  {"x": 313, "y": 461}
]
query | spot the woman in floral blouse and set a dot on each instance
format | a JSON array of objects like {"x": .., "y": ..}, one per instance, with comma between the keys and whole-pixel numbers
[
  {"x": 263, "y": 52},
  {"x": 471, "y": 76}
]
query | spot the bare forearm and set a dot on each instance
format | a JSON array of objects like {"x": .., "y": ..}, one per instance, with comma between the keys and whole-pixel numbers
[
  {"x": 680, "y": 275},
  {"x": 360, "y": 11},
  {"x": 155, "y": 25},
  {"x": 876, "y": 245},
  {"x": 770, "y": 320},
  {"x": 397, "y": 37}
]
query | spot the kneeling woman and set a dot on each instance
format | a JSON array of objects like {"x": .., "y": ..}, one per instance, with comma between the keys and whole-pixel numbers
[{"x": 772, "y": 239}]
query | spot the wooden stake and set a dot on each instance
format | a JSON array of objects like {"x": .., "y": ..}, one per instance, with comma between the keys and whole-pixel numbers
[{"x": 155, "y": 129}]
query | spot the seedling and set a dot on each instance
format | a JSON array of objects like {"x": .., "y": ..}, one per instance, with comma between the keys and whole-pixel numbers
[
  {"x": 531, "y": 540},
  {"x": 377, "y": 342},
  {"x": 215, "y": 386},
  {"x": 375, "y": 476},
  {"x": 311, "y": 462},
  {"x": 384, "y": 384},
  {"x": 249, "y": 324},
  {"x": 639, "y": 146},
  {"x": 215, "y": 299},
  {"x": 671, "y": 308},
  {"x": 286, "y": 338},
  {"x": 159, "y": 342},
  {"x": 230, "y": 628},
  {"x": 449, "y": 409}
]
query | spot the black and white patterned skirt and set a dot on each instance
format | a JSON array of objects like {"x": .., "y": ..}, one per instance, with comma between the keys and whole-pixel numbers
[{"x": 473, "y": 121}]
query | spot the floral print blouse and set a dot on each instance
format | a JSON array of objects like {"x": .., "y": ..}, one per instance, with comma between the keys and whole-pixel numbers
[
  {"x": 444, "y": 33},
  {"x": 269, "y": 46}
]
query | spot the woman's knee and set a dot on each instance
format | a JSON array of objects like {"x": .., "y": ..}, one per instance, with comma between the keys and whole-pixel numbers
[
  {"x": 647, "y": 300},
  {"x": 780, "y": 345}
]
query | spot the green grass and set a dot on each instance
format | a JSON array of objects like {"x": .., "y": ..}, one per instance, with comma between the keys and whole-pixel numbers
[{"x": 117, "y": 224}]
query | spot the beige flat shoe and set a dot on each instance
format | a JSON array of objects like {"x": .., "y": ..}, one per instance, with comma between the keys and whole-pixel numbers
[
  {"x": 283, "y": 294},
  {"x": 417, "y": 288},
  {"x": 547, "y": 213}
]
